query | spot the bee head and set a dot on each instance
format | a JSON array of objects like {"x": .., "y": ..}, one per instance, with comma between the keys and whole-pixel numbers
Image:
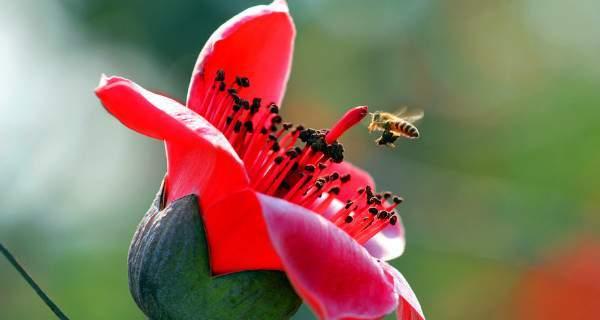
[{"x": 375, "y": 117}]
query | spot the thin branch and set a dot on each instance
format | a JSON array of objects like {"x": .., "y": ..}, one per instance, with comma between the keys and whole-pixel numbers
[{"x": 32, "y": 283}]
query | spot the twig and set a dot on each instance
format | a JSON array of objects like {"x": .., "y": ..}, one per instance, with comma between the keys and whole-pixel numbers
[{"x": 32, "y": 283}]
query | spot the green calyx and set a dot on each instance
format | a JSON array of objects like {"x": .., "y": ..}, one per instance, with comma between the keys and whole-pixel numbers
[{"x": 170, "y": 275}]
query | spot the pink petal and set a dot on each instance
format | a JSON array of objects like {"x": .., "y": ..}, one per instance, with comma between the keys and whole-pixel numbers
[
  {"x": 200, "y": 160},
  {"x": 332, "y": 273},
  {"x": 390, "y": 242},
  {"x": 237, "y": 235},
  {"x": 258, "y": 44},
  {"x": 408, "y": 307}
]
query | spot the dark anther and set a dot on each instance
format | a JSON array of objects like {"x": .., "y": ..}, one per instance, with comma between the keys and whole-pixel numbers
[
  {"x": 393, "y": 220},
  {"x": 295, "y": 167},
  {"x": 228, "y": 119},
  {"x": 275, "y": 147},
  {"x": 309, "y": 168},
  {"x": 335, "y": 190},
  {"x": 398, "y": 200},
  {"x": 238, "y": 126},
  {"x": 256, "y": 102},
  {"x": 336, "y": 152},
  {"x": 232, "y": 91},
  {"x": 373, "y": 210},
  {"x": 360, "y": 190},
  {"x": 242, "y": 82},
  {"x": 220, "y": 75},
  {"x": 222, "y": 86},
  {"x": 278, "y": 159},
  {"x": 236, "y": 99},
  {"x": 319, "y": 184},
  {"x": 276, "y": 119},
  {"x": 387, "y": 195},
  {"x": 378, "y": 196},
  {"x": 299, "y": 127},
  {"x": 273, "y": 128},
  {"x": 255, "y": 105},
  {"x": 264, "y": 130},
  {"x": 245, "y": 104},
  {"x": 369, "y": 192},
  {"x": 291, "y": 153},
  {"x": 236, "y": 107},
  {"x": 273, "y": 108},
  {"x": 382, "y": 215},
  {"x": 334, "y": 176},
  {"x": 285, "y": 185},
  {"x": 319, "y": 145},
  {"x": 307, "y": 135},
  {"x": 348, "y": 219},
  {"x": 298, "y": 150},
  {"x": 287, "y": 126},
  {"x": 272, "y": 137},
  {"x": 348, "y": 204},
  {"x": 345, "y": 178},
  {"x": 249, "y": 126},
  {"x": 322, "y": 166}
]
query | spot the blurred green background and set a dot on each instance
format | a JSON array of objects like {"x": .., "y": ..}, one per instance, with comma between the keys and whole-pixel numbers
[{"x": 505, "y": 175}]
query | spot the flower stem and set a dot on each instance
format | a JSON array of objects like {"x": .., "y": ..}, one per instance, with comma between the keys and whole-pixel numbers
[{"x": 32, "y": 283}]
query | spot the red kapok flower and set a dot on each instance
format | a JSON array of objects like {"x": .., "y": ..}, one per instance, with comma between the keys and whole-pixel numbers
[
  {"x": 273, "y": 196},
  {"x": 564, "y": 286}
]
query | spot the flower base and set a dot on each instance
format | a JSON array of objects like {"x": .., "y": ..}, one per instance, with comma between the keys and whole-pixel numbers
[{"x": 170, "y": 276}]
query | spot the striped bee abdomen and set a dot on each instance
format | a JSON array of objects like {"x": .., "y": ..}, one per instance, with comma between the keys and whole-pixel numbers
[{"x": 406, "y": 129}]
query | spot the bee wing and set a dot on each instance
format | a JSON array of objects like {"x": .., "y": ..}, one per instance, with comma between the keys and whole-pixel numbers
[
  {"x": 413, "y": 116},
  {"x": 400, "y": 112}
]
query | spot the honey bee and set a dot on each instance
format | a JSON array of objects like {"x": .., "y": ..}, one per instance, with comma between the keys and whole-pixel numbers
[{"x": 395, "y": 125}]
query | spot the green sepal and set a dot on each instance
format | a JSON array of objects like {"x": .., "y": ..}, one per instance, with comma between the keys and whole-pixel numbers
[{"x": 170, "y": 276}]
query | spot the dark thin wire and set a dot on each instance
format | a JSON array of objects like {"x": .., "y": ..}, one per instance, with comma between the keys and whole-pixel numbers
[{"x": 32, "y": 283}]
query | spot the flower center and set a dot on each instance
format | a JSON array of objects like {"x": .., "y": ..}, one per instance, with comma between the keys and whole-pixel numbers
[{"x": 292, "y": 162}]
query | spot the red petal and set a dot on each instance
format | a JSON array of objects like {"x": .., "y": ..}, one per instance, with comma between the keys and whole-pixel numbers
[
  {"x": 200, "y": 160},
  {"x": 387, "y": 244},
  {"x": 333, "y": 273},
  {"x": 257, "y": 43},
  {"x": 408, "y": 306},
  {"x": 237, "y": 235}
]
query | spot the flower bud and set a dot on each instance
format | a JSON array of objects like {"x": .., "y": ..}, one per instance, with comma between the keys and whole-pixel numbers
[{"x": 170, "y": 275}]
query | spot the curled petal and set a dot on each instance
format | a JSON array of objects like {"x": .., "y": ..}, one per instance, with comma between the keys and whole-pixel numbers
[
  {"x": 198, "y": 155},
  {"x": 258, "y": 44},
  {"x": 389, "y": 243},
  {"x": 332, "y": 273},
  {"x": 408, "y": 306}
]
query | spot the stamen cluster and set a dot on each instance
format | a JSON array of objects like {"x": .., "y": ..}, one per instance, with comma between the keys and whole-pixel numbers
[{"x": 291, "y": 162}]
